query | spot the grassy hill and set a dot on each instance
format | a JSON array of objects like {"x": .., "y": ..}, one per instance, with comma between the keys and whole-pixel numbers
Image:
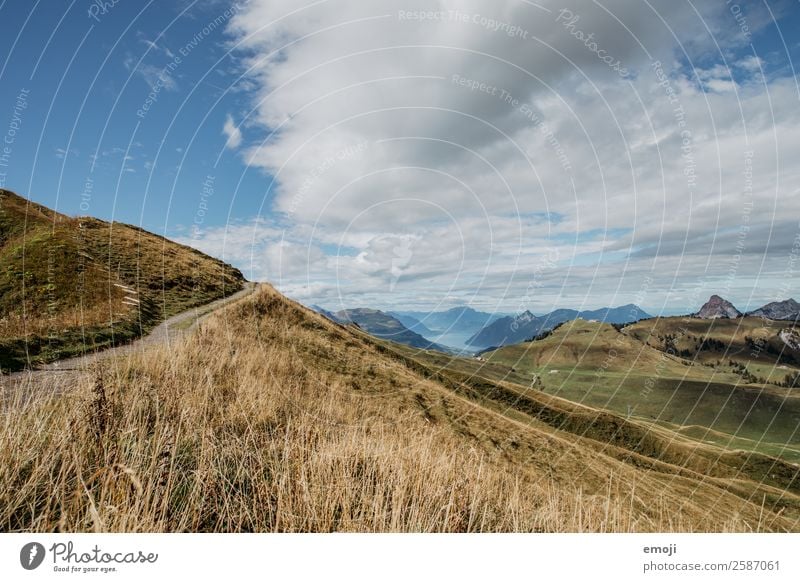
[
  {"x": 602, "y": 367},
  {"x": 748, "y": 346},
  {"x": 271, "y": 417},
  {"x": 69, "y": 285}
]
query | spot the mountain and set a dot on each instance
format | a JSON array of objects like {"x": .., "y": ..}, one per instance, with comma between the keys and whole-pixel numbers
[
  {"x": 520, "y": 328},
  {"x": 788, "y": 310},
  {"x": 413, "y": 324},
  {"x": 511, "y": 329},
  {"x": 329, "y": 314},
  {"x": 70, "y": 285},
  {"x": 718, "y": 308},
  {"x": 385, "y": 326},
  {"x": 461, "y": 319},
  {"x": 624, "y": 314}
]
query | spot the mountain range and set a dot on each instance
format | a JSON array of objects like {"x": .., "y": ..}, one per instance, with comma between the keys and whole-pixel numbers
[
  {"x": 788, "y": 310},
  {"x": 718, "y": 308},
  {"x": 381, "y": 325},
  {"x": 460, "y": 319},
  {"x": 522, "y": 327},
  {"x": 419, "y": 328}
]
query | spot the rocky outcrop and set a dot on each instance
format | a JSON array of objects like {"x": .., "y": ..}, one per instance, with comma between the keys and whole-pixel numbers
[
  {"x": 791, "y": 338},
  {"x": 788, "y": 310},
  {"x": 718, "y": 308}
]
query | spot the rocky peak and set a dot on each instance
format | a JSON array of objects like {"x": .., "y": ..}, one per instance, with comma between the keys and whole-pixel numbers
[
  {"x": 718, "y": 308},
  {"x": 526, "y": 316},
  {"x": 780, "y": 310}
]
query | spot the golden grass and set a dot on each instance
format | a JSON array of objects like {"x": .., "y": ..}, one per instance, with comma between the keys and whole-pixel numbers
[
  {"x": 18, "y": 325},
  {"x": 271, "y": 418},
  {"x": 71, "y": 285}
]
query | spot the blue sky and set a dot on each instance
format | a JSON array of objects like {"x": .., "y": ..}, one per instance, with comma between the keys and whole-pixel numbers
[
  {"x": 329, "y": 147},
  {"x": 87, "y": 79}
]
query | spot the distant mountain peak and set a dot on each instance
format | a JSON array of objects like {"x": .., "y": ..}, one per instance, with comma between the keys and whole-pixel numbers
[
  {"x": 461, "y": 309},
  {"x": 526, "y": 325},
  {"x": 788, "y": 310},
  {"x": 718, "y": 308},
  {"x": 525, "y": 316}
]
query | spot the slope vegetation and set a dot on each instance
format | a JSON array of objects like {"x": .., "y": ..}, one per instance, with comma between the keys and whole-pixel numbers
[
  {"x": 69, "y": 285},
  {"x": 621, "y": 371},
  {"x": 271, "y": 417},
  {"x": 752, "y": 347}
]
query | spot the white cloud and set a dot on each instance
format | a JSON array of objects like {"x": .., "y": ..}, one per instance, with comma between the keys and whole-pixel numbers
[
  {"x": 232, "y": 132},
  {"x": 488, "y": 132},
  {"x": 156, "y": 76},
  {"x": 751, "y": 63}
]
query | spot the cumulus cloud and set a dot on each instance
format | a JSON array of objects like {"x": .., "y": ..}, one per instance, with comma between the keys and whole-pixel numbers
[{"x": 427, "y": 150}]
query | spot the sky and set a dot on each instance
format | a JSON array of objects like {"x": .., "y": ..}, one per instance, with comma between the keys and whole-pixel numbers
[{"x": 401, "y": 154}]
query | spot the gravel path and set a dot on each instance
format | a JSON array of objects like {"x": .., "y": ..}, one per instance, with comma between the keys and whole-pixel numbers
[{"x": 59, "y": 376}]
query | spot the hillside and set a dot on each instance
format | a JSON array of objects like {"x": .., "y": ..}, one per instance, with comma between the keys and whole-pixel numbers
[
  {"x": 582, "y": 344},
  {"x": 69, "y": 285},
  {"x": 385, "y": 326},
  {"x": 306, "y": 425},
  {"x": 599, "y": 366},
  {"x": 749, "y": 346}
]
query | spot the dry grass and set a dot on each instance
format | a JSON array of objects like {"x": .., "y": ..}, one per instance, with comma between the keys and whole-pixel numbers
[
  {"x": 18, "y": 325},
  {"x": 270, "y": 418},
  {"x": 71, "y": 285}
]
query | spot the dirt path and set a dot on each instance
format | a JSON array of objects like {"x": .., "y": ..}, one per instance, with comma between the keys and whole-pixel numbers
[{"x": 61, "y": 375}]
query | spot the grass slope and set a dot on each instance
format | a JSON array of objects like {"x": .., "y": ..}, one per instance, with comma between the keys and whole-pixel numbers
[
  {"x": 748, "y": 346},
  {"x": 270, "y": 417},
  {"x": 597, "y": 365},
  {"x": 69, "y": 285}
]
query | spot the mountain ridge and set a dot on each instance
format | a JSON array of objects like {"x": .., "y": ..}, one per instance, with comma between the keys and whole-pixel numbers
[
  {"x": 786, "y": 310},
  {"x": 522, "y": 327},
  {"x": 384, "y": 326}
]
